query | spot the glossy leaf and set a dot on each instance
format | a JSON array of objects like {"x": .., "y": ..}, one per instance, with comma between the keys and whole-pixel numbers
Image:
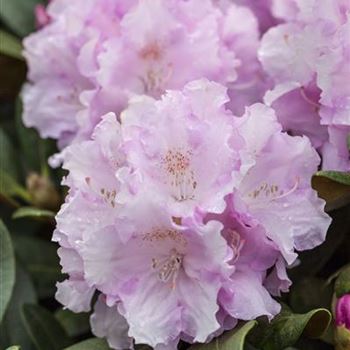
[
  {"x": 337, "y": 176},
  {"x": 23, "y": 292},
  {"x": 342, "y": 283},
  {"x": 90, "y": 344},
  {"x": 15, "y": 347},
  {"x": 10, "y": 45},
  {"x": 73, "y": 323},
  {"x": 44, "y": 330},
  {"x": 286, "y": 329},
  {"x": 233, "y": 340},
  {"x": 33, "y": 213},
  {"x": 333, "y": 188},
  {"x": 7, "y": 269},
  {"x": 19, "y": 15}
]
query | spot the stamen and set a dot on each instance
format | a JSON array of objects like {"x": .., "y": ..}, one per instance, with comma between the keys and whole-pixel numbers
[
  {"x": 157, "y": 235},
  {"x": 308, "y": 99},
  {"x": 108, "y": 196},
  {"x": 236, "y": 243},
  {"x": 176, "y": 164},
  {"x": 168, "y": 269},
  {"x": 271, "y": 192}
]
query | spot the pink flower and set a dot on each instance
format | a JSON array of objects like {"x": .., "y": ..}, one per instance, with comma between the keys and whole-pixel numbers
[
  {"x": 307, "y": 58},
  {"x": 174, "y": 144},
  {"x": 177, "y": 211},
  {"x": 274, "y": 190},
  {"x": 94, "y": 56}
]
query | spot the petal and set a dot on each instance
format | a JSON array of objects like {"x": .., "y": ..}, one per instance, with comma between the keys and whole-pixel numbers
[{"x": 107, "y": 322}]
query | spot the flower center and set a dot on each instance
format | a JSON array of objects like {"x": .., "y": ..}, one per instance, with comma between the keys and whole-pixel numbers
[
  {"x": 177, "y": 166},
  {"x": 151, "y": 52},
  {"x": 168, "y": 268},
  {"x": 155, "y": 79},
  {"x": 157, "y": 70},
  {"x": 268, "y": 193},
  {"x": 236, "y": 243}
]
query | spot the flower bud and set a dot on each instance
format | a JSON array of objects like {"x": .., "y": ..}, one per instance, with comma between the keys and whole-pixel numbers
[
  {"x": 42, "y": 191},
  {"x": 342, "y": 320}
]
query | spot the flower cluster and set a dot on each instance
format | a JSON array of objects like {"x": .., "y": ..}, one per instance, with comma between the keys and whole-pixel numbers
[
  {"x": 190, "y": 130},
  {"x": 92, "y": 56},
  {"x": 308, "y": 58},
  {"x": 176, "y": 213}
]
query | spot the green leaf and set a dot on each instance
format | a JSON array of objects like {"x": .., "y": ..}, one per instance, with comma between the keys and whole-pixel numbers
[
  {"x": 90, "y": 344},
  {"x": 19, "y": 15},
  {"x": 10, "y": 45},
  {"x": 342, "y": 283},
  {"x": 33, "y": 213},
  {"x": 44, "y": 330},
  {"x": 23, "y": 292},
  {"x": 286, "y": 329},
  {"x": 333, "y": 187},
  {"x": 337, "y": 176},
  {"x": 41, "y": 261},
  {"x": 7, "y": 269},
  {"x": 233, "y": 340},
  {"x": 15, "y": 347},
  {"x": 74, "y": 324}
]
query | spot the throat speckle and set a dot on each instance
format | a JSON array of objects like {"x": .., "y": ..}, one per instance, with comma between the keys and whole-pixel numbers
[{"x": 176, "y": 164}]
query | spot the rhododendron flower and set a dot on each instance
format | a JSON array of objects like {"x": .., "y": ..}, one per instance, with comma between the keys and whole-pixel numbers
[
  {"x": 176, "y": 212},
  {"x": 308, "y": 59},
  {"x": 93, "y": 56}
]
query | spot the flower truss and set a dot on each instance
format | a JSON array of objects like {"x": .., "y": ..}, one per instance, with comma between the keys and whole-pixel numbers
[{"x": 176, "y": 213}]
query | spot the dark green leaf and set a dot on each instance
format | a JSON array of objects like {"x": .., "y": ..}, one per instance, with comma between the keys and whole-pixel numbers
[
  {"x": 74, "y": 324},
  {"x": 41, "y": 261},
  {"x": 286, "y": 329},
  {"x": 44, "y": 330},
  {"x": 313, "y": 344},
  {"x": 337, "y": 176},
  {"x": 19, "y": 15},
  {"x": 90, "y": 344},
  {"x": 342, "y": 283},
  {"x": 7, "y": 269},
  {"x": 33, "y": 213},
  {"x": 23, "y": 292},
  {"x": 233, "y": 340},
  {"x": 10, "y": 45},
  {"x": 333, "y": 188}
]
